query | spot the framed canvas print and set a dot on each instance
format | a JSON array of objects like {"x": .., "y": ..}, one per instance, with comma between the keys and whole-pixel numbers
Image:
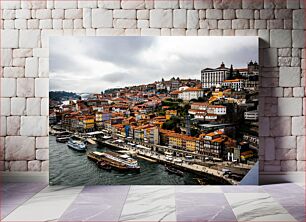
[{"x": 154, "y": 110}]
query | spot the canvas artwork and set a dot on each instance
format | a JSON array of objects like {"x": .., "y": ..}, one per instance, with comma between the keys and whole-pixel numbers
[{"x": 153, "y": 110}]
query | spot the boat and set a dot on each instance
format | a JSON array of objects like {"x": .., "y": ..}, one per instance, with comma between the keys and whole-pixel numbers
[
  {"x": 77, "y": 144},
  {"x": 174, "y": 171},
  {"x": 62, "y": 139},
  {"x": 115, "y": 160},
  {"x": 103, "y": 165}
]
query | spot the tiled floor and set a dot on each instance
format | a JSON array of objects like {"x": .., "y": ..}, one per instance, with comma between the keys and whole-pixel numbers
[{"x": 40, "y": 202}]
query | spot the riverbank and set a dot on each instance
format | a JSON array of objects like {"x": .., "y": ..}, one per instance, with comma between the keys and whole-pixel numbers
[{"x": 194, "y": 168}]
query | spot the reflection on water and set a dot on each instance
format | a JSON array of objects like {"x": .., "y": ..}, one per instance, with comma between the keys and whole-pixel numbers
[{"x": 69, "y": 167}]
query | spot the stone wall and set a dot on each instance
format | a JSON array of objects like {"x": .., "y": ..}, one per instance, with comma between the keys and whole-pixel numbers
[{"x": 26, "y": 26}]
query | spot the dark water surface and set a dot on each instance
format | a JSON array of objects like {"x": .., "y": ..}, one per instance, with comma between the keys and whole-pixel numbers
[{"x": 69, "y": 167}]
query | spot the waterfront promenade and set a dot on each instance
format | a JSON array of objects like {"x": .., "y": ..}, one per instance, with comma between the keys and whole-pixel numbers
[{"x": 162, "y": 158}]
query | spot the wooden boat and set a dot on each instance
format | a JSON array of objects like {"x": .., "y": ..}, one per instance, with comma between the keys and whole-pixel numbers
[{"x": 115, "y": 160}]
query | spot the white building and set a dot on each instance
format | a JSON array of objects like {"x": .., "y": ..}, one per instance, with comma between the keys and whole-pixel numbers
[
  {"x": 212, "y": 77},
  {"x": 236, "y": 84},
  {"x": 190, "y": 93}
]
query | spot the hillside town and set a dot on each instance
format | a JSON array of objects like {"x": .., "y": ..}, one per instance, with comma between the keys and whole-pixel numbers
[{"x": 213, "y": 118}]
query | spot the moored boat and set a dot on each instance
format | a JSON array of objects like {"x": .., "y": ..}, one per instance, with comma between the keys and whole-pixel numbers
[
  {"x": 103, "y": 165},
  {"x": 115, "y": 160},
  {"x": 77, "y": 144}
]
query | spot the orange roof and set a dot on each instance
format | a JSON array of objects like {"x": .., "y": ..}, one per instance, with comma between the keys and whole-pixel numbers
[
  {"x": 176, "y": 92},
  {"x": 233, "y": 80},
  {"x": 192, "y": 89}
]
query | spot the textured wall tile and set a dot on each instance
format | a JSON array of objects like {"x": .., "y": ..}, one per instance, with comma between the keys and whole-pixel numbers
[
  {"x": 34, "y": 126},
  {"x": 20, "y": 148},
  {"x": 34, "y": 165},
  {"x": 164, "y": 4},
  {"x": 289, "y": 76},
  {"x": 160, "y": 18},
  {"x": 179, "y": 18},
  {"x": 290, "y": 106},
  {"x": 5, "y": 106},
  {"x": 9, "y": 38},
  {"x": 13, "y": 125},
  {"x": 102, "y": 18},
  {"x": 29, "y": 38},
  {"x": 8, "y": 87},
  {"x": 42, "y": 142},
  {"x": 18, "y": 166}
]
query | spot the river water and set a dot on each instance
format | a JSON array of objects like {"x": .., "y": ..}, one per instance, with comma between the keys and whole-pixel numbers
[{"x": 69, "y": 167}]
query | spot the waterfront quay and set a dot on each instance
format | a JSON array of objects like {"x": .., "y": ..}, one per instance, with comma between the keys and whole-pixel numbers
[{"x": 213, "y": 174}]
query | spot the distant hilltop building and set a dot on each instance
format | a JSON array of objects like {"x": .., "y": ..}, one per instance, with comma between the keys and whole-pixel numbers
[{"x": 222, "y": 75}]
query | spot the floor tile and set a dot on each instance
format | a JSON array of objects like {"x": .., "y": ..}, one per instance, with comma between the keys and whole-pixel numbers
[
  {"x": 47, "y": 205},
  {"x": 242, "y": 189},
  {"x": 149, "y": 203},
  {"x": 298, "y": 212},
  {"x": 291, "y": 199},
  {"x": 257, "y": 207},
  {"x": 97, "y": 203},
  {"x": 198, "y": 189},
  {"x": 22, "y": 187},
  {"x": 203, "y": 207},
  {"x": 283, "y": 188}
]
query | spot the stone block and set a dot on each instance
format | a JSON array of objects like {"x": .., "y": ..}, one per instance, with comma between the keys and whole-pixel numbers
[
  {"x": 298, "y": 126},
  {"x": 5, "y": 106},
  {"x": 124, "y": 14},
  {"x": 203, "y": 4},
  {"x": 270, "y": 57},
  {"x": 298, "y": 19},
  {"x": 42, "y": 142},
  {"x": 208, "y": 24},
  {"x": 58, "y": 13},
  {"x": 25, "y": 87},
  {"x": 41, "y": 87},
  {"x": 110, "y": 4},
  {"x": 10, "y": 72},
  {"x": 283, "y": 14},
  {"x": 34, "y": 126},
  {"x": 285, "y": 142},
  {"x": 66, "y": 4},
  {"x": 269, "y": 148},
  {"x": 288, "y": 165},
  {"x": 186, "y": 4},
  {"x": 42, "y": 154},
  {"x": 9, "y": 38},
  {"x": 13, "y": 125},
  {"x": 45, "y": 165},
  {"x": 252, "y": 4},
  {"x": 143, "y": 14},
  {"x": 20, "y": 23},
  {"x": 192, "y": 19},
  {"x": 132, "y": 4},
  {"x": 240, "y": 24},
  {"x": 19, "y": 62},
  {"x": 73, "y": 13},
  {"x": 165, "y": 4},
  {"x": 160, "y": 18},
  {"x": 44, "y": 106},
  {"x": 87, "y": 4},
  {"x": 43, "y": 68},
  {"x": 227, "y": 4},
  {"x": 142, "y": 23},
  {"x": 10, "y": 5},
  {"x": 301, "y": 148},
  {"x": 179, "y": 18},
  {"x": 29, "y": 38},
  {"x": 18, "y": 166},
  {"x": 19, "y": 148},
  {"x": 280, "y": 126},
  {"x": 229, "y": 14},
  {"x": 8, "y": 14},
  {"x": 33, "y": 106},
  {"x": 23, "y": 14},
  {"x": 293, "y": 4},
  {"x": 245, "y": 14},
  {"x": 31, "y": 67},
  {"x": 46, "y": 24},
  {"x": 3, "y": 127},
  {"x": 8, "y": 87},
  {"x": 178, "y": 32},
  {"x": 280, "y": 38},
  {"x": 290, "y": 106},
  {"x": 224, "y": 24},
  {"x": 214, "y": 14},
  {"x": 150, "y": 32},
  {"x": 102, "y": 18},
  {"x": 125, "y": 23},
  {"x": 34, "y": 165},
  {"x": 18, "y": 106},
  {"x": 87, "y": 18},
  {"x": 43, "y": 14},
  {"x": 289, "y": 76},
  {"x": 285, "y": 154},
  {"x": 298, "y": 38},
  {"x": 299, "y": 92}
]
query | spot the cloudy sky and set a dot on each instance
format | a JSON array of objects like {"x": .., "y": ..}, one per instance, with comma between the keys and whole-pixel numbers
[{"x": 93, "y": 64}]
